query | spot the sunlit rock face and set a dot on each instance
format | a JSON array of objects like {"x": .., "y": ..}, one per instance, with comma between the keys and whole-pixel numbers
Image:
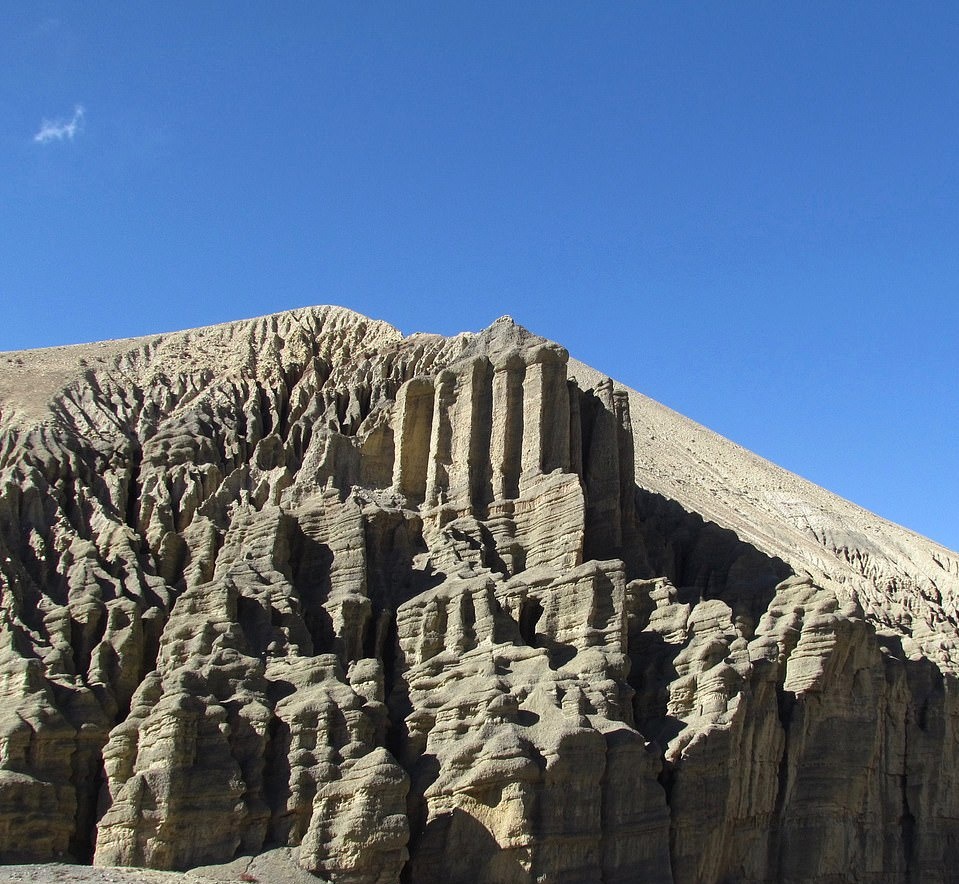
[{"x": 460, "y": 610}]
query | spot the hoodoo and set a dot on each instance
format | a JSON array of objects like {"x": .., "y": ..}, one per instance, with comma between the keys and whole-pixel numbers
[{"x": 449, "y": 609}]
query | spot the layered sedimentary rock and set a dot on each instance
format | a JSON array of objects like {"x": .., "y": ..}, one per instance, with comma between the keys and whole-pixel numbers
[{"x": 429, "y": 609}]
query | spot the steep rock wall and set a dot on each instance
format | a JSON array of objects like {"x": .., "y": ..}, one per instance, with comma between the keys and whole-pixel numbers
[{"x": 401, "y": 604}]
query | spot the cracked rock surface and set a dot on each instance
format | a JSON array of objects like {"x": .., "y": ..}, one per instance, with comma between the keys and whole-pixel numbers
[{"x": 305, "y": 593}]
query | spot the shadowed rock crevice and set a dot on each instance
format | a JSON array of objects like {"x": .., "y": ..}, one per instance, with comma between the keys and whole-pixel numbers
[{"x": 705, "y": 560}]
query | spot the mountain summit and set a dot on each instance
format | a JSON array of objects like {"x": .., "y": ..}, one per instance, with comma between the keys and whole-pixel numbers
[{"x": 449, "y": 609}]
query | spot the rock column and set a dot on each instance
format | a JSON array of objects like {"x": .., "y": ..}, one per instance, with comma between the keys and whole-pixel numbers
[
  {"x": 507, "y": 432},
  {"x": 545, "y": 414},
  {"x": 414, "y": 406}
]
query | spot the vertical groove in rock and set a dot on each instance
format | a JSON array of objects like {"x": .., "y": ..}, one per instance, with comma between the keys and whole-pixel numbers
[{"x": 440, "y": 462}]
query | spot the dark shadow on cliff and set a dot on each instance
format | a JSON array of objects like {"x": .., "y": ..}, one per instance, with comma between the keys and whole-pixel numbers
[
  {"x": 704, "y": 561},
  {"x": 310, "y": 564},
  {"x": 456, "y": 848}
]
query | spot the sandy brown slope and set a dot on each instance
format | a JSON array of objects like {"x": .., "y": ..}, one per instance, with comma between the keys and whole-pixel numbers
[
  {"x": 903, "y": 580},
  {"x": 31, "y": 381}
]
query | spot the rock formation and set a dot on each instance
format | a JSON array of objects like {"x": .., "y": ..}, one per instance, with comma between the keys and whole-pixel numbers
[{"x": 460, "y": 610}]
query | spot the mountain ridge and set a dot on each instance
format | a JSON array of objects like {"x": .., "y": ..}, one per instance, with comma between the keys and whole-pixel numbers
[
  {"x": 668, "y": 475},
  {"x": 425, "y": 608}
]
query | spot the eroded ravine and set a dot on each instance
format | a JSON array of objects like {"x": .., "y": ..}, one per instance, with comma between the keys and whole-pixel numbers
[{"x": 400, "y": 603}]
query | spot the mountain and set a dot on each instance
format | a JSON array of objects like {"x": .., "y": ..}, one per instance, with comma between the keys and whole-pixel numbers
[{"x": 448, "y": 609}]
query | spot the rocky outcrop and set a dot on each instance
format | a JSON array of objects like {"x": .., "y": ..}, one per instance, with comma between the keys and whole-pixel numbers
[{"x": 430, "y": 609}]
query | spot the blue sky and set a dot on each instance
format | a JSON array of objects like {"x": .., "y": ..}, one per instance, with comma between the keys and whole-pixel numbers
[{"x": 749, "y": 211}]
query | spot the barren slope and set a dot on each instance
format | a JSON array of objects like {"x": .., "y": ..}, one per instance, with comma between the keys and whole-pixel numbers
[{"x": 903, "y": 580}]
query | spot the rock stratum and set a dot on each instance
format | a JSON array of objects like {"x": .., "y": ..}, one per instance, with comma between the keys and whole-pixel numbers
[{"x": 459, "y": 609}]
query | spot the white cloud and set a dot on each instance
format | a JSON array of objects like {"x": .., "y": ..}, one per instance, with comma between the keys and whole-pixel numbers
[{"x": 61, "y": 130}]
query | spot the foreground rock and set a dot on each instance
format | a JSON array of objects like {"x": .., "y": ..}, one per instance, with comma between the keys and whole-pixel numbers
[
  {"x": 447, "y": 610},
  {"x": 273, "y": 867}
]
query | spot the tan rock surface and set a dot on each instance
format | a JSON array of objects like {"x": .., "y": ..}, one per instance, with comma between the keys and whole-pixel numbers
[
  {"x": 278, "y": 866},
  {"x": 302, "y": 594}
]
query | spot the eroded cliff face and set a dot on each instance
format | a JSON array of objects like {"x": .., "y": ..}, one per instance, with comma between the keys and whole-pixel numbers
[{"x": 402, "y": 604}]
